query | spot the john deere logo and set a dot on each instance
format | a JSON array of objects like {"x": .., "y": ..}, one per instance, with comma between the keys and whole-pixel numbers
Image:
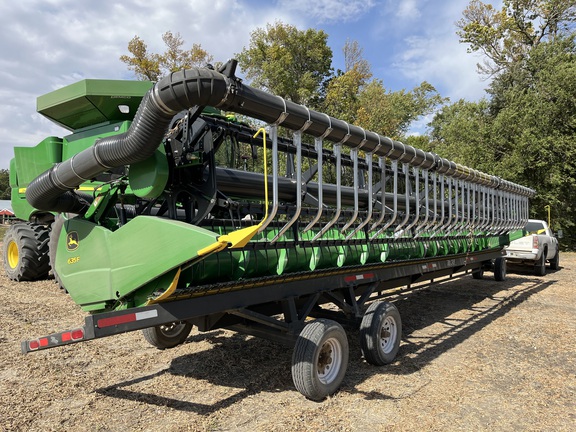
[{"x": 72, "y": 241}]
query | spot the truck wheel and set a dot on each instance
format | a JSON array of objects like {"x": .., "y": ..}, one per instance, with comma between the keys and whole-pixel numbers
[
  {"x": 380, "y": 333},
  {"x": 500, "y": 269},
  {"x": 25, "y": 252},
  {"x": 540, "y": 265},
  {"x": 555, "y": 262},
  {"x": 320, "y": 359},
  {"x": 167, "y": 335}
]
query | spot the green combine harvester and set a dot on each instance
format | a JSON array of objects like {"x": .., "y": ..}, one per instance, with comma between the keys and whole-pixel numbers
[{"x": 161, "y": 210}]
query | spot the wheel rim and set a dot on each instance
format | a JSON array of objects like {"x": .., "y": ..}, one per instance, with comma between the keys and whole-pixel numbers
[
  {"x": 13, "y": 254},
  {"x": 172, "y": 329},
  {"x": 388, "y": 334},
  {"x": 329, "y": 361}
]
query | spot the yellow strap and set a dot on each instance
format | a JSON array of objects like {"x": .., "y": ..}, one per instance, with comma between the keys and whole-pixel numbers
[{"x": 241, "y": 237}]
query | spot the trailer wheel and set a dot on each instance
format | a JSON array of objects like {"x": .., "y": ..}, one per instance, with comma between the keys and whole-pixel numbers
[
  {"x": 540, "y": 265},
  {"x": 25, "y": 252},
  {"x": 320, "y": 359},
  {"x": 380, "y": 333},
  {"x": 167, "y": 335},
  {"x": 478, "y": 274},
  {"x": 500, "y": 269},
  {"x": 555, "y": 262}
]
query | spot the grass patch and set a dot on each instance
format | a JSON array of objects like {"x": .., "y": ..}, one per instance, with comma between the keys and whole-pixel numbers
[{"x": 3, "y": 229}]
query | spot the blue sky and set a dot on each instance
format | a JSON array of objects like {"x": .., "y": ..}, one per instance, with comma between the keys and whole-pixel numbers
[{"x": 46, "y": 44}]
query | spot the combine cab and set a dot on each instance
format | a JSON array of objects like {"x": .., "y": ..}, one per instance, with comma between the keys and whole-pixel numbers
[{"x": 185, "y": 216}]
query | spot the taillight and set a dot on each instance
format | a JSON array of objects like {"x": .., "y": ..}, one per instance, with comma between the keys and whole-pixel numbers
[
  {"x": 534, "y": 242},
  {"x": 73, "y": 335},
  {"x": 38, "y": 343},
  {"x": 77, "y": 334}
]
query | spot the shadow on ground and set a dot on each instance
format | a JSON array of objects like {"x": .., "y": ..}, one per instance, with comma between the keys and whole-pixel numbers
[{"x": 258, "y": 366}]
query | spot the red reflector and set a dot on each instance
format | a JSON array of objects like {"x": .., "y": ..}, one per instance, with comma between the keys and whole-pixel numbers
[
  {"x": 43, "y": 342},
  {"x": 34, "y": 345},
  {"x": 359, "y": 277},
  {"x": 120, "y": 319},
  {"x": 77, "y": 334},
  {"x": 66, "y": 337}
]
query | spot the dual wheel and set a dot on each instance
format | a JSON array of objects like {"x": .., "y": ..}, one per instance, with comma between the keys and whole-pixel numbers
[{"x": 320, "y": 356}]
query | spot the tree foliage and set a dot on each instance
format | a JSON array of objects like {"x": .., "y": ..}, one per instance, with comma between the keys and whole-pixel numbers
[
  {"x": 286, "y": 61},
  {"x": 353, "y": 97},
  {"x": 525, "y": 132},
  {"x": 341, "y": 99},
  {"x": 153, "y": 66},
  {"x": 4, "y": 184},
  {"x": 506, "y": 36}
]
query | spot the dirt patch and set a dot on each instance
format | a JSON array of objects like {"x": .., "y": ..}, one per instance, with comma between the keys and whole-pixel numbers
[{"x": 476, "y": 355}]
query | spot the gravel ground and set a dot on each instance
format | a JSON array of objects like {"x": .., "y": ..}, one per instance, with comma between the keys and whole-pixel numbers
[{"x": 476, "y": 355}]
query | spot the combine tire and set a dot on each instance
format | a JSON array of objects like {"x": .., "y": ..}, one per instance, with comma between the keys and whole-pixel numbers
[
  {"x": 168, "y": 335},
  {"x": 540, "y": 265},
  {"x": 320, "y": 359},
  {"x": 555, "y": 262},
  {"x": 500, "y": 269},
  {"x": 53, "y": 246},
  {"x": 25, "y": 252},
  {"x": 380, "y": 333}
]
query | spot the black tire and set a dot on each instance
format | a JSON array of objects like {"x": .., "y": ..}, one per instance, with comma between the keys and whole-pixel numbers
[
  {"x": 555, "y": 262},
  {"x": 478, "y": 274},
  {"x": 380, "y": 333},
  {"x": 320, "y": 359},
  {"x": 540, "y": 265},
  {"x": 25, "y": 252},
  {"x": 167, "y": 335},
  {"x": 500, "y": 269},
  {"x": 53, "y": 246}
]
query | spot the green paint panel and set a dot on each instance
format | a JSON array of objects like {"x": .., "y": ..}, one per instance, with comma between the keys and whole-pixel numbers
[
  {"x": 32, "y": 161},
  {"x": 106, "y": 266},
  {"x": 78, "y": 141},
  {"x": 148, "y": 178},
  {"x": 20, "y": 206},
  {"x": 90, "y": 102}
]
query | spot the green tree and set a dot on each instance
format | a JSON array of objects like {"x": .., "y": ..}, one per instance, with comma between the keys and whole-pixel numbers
[
  {"x": 153, "y": 66},
  {"x": 351, "y": 97},
  {"x": 342, "y": 92},
  {"x": 506, "y": 36},
  {"x": 535, "y": 121},
  {"x": 5, "y": 184},
  {"x": 145, "y": 65},
  {"x": 462, "y": 132},
  {"x": 525, "y": 132},
  {"x": 286, "y": 61},
  {"x": 391, "y": 113}
]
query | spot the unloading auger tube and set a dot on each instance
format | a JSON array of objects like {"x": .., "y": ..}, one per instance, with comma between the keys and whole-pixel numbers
[{"x": 53, "y": 190}]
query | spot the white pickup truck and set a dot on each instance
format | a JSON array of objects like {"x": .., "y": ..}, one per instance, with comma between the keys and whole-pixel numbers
[{"x": 539, "y": 246}]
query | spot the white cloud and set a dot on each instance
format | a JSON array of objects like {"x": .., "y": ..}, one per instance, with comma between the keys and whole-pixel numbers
[
  {"x": 408, "y": 9},
  {"x": 49, "y": 44},
  {"x": 442, "y": 62},
  {"x": 329, "y": 11}
]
